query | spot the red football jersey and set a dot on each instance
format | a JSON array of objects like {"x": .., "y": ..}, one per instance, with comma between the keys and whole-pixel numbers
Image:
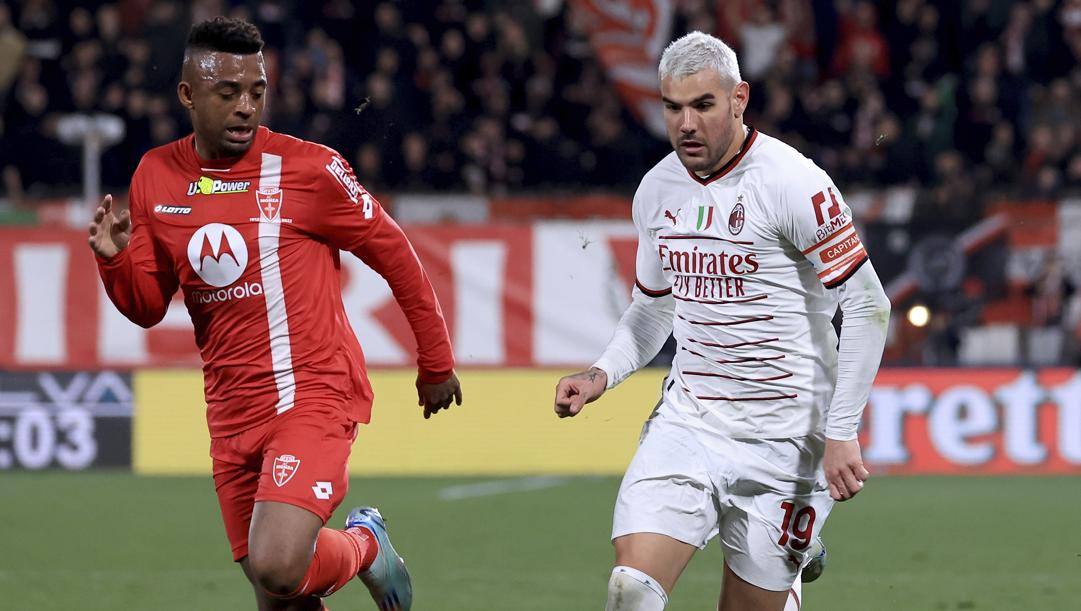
[{"x": 254, "y": 244}]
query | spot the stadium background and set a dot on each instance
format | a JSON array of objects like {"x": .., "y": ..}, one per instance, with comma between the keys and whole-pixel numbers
[{"x": 507, "y": 137}]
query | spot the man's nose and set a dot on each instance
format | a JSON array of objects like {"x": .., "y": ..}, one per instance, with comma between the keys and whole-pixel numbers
[
  {"x": 245, "y": 106},
  {"x": 687, "y": 125}
]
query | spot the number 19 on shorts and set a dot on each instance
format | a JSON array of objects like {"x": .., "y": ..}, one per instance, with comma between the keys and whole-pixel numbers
[{"x": 796, "y": 526}]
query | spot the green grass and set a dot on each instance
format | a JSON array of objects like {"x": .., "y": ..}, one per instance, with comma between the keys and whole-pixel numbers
[{"x": 116, "y": 541}]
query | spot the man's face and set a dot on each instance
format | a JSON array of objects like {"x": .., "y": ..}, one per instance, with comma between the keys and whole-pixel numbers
[
  {"x": 225, "y": 94},
  {"x": 701, "y": 115}
]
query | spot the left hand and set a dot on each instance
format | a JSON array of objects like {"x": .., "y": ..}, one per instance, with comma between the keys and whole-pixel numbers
[
  {"x": 434, "y": 397},
  {"x": 844, "y": 468}
]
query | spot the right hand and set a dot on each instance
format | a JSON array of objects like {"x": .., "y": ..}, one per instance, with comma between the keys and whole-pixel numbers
[
  {"x": 574, "y": 391},
  {"x": 109, "y": 233}
]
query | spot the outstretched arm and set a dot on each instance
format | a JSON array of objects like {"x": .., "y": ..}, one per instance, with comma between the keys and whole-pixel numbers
[
  {"x": 639, "y": 336},
  {"x": 388, "y": 252},
  {"x": 352, "y": 220}
]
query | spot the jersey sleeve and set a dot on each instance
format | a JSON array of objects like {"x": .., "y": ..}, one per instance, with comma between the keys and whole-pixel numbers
[
  {"x": 140, "y": 279},
  {"x": 818, "y": 222},
  {"x": 648, "y": 276},
  {"x": 351, "y": 219}
]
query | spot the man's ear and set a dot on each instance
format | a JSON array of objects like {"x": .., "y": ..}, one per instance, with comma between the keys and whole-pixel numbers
[
  {"x": 183, "y": 92},
  {"x": 740, "y": 96}
]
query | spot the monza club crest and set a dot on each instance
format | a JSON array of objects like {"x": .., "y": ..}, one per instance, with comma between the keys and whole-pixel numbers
[
  {"x": 285, "y": 467},
  {"x": 270, "y": 203}
]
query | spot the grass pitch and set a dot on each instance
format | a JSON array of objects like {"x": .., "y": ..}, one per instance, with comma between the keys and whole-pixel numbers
[{"x": 116, "y": 541}]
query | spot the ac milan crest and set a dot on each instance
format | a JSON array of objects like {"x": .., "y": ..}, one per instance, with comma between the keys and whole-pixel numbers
[
  {"x": 735, "y": 219},
  {"x": 270, "y": 203},
  {"x": 285, "y": 467}
]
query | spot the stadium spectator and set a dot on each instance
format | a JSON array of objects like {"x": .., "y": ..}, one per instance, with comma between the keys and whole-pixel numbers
[{"x": 494, "y": 98}]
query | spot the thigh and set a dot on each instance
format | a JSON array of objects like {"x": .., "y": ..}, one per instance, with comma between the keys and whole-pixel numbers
[
  {"x": 659, "y": 556},
  {"x": 305, "y": 460},
  {"x": 738, "y": 594},
  {"x": 667, "y": 489},
  {"x": 772, "y": 509},
  {"x": 236, "y": 483}
]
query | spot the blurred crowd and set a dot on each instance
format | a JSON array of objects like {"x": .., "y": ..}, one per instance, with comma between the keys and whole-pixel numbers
[
  {"x": 962, "y": 103},
  {"x": 489, "y": 97}
]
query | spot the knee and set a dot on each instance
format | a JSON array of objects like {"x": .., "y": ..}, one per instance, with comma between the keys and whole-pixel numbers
[
  {"x": 278, "y": 575},
  {"x": 632, "y": 590}
]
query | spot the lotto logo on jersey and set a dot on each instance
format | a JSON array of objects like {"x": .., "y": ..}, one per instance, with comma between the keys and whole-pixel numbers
[
  {"x": 170, "y": 209},
  {"x": 285, "y": 467},
  {"x": 323, "y": 490},
  {"x": 209, "y": 186},
  {"x": 218, "y": 254},
  {"x": 345, "y": 178}
]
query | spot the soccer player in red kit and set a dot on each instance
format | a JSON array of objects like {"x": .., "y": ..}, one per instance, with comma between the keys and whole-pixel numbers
[{"x": 249, "y": 223}]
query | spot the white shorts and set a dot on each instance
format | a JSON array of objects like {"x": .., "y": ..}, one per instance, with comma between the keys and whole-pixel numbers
[{"x": 767, "y": 498}]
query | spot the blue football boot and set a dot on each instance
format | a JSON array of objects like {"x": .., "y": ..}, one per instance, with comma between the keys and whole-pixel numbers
[{"x": 386, "y": 579}]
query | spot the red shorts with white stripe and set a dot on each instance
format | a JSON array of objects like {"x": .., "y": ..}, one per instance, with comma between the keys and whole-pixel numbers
[{"x": 299, "y": 457}]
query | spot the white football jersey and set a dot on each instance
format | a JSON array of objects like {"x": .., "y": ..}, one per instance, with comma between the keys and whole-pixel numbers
[{"x": 749, "y": 256}]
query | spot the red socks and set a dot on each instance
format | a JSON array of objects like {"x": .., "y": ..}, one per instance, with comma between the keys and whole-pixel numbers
[{"x": 339, "y": 556}]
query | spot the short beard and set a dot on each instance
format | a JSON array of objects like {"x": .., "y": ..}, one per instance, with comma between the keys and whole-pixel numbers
[
  {"x": 700, "y": 166},
  {"x": 711, "y": 165}
]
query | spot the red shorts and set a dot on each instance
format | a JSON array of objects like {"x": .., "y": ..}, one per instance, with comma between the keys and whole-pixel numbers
[{"x": 299, "y": 458}]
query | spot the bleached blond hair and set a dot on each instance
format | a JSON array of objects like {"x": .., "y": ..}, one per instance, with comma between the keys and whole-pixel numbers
[{"x": 695, "y": 52}]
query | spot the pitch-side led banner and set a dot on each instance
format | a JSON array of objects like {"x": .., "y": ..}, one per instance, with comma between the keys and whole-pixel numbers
[
  {"x": 71, "y": 420},
  {"x": 549, "y": 293},
  {"x": 920, "y": 421}
]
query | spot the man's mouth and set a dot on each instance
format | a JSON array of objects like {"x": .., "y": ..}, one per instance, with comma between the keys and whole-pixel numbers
[
  {"x": 691, "y": 146},
  {"x": 239, "y": 133}
]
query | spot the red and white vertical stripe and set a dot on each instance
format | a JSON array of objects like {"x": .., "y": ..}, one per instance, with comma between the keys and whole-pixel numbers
[{"x": 281, "y": 355}]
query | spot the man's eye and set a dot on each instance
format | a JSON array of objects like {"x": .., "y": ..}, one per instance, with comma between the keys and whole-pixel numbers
[
  {"x": 671, "y": 107},
  {"x": 704, "y": 106}
]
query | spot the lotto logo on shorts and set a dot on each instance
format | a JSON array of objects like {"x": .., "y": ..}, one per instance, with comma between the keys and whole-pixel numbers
[
  {"x": 285, "y": 467},
  {"x": 323, "y": 490}
]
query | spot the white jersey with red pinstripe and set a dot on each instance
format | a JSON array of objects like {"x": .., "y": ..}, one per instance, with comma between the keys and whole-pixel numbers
[{"x": 749, "y": 255}]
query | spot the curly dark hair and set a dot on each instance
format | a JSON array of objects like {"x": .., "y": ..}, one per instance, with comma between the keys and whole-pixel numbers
[{"x": 225, "y": 35}]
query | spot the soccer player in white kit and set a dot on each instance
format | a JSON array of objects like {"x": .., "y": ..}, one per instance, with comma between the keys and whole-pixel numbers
[{"x": 745, "y": 252}]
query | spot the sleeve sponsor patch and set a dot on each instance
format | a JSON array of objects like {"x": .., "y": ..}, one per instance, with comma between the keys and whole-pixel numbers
[
  {"x": 837, "y": 256},
  {"x": 345, "y": 178}
]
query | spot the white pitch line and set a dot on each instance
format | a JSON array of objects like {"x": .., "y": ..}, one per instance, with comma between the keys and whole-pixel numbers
[{"x": 501, "y": 486}]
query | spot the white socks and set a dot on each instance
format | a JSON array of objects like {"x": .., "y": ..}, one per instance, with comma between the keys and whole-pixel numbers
[{"x": 632, "y": 590}]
